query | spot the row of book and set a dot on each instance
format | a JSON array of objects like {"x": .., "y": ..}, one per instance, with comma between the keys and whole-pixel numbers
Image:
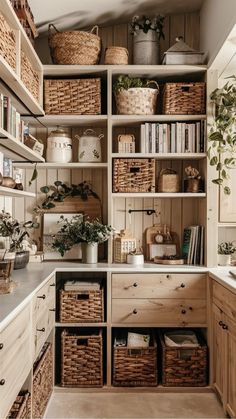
[
  {"x": 176, "y": 137},
  {"x": 10, "y": 119},
  {"x": 6, "y": 168},
  {"x": 193, "y": 245}
]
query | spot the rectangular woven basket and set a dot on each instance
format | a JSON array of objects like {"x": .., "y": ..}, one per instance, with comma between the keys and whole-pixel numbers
[
  {"x": 133, "y": 175},
  {"x": 184, "y": 98},
  {"x": 7, "y": 42},
  {"x": 72, "y": 96},
  {"x": 81, "y": 359},
  {"x": 135, "y": 367},
  {"x": 21, "y": 408},
  {"x": 42, "y": 381},
  {"x": 81, "y": 306},
  {"x": 184, "y": 366},
  {"x": 29, "y": 76}
]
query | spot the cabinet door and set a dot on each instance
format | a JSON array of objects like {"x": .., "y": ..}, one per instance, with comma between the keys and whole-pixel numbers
[
  {"x": 228, "y": 202},
  {"x": 231, "y": 367},
  {"x": 218, "y": 350}
]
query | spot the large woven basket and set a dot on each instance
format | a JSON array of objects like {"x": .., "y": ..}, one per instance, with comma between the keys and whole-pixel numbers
[
  {"x": 137, "y": 100},
  {"x": 184, "y": 98},
  {"x": 184, "y": 366},
  {"x": 135, "y": 366},
  {"x": 116, "y": 55},
  {"x": 81, "y": 306},
  {"x": 72, "y": 96},
  {"x": 81, "y": 359},
  {"x": 21, "y": 408},
  {"x": 42, "y": 381},
  {"x": 133, "y": 175},
  {"x": 75, "y": 47},
  {"x": 7, "y": 42},
  {"x": 168, "y": 181},
  {"x": 29, "y": 76}
]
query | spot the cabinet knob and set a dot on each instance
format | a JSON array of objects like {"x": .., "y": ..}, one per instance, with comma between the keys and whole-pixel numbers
[
  {"x": 41, "y": 330},
  {"x": 41, "y": 296},
  {"x": 2, "y": 382},
  {"x": 190, "y": 308},
  {"x": 220, "y": 323},
  {"x": 135, "y": 311},
  {"x": 52, "y": 309},
  {"x": 168, "y": 276},
  {"x": 135, "y": 284},
  {"x": 182, "y": 285},
  {"x": 183, "y": 311},
  {"x": 224, "y": 326},
  {"x": 53, "y": 285},
  {"x": 1, "y": 345}
]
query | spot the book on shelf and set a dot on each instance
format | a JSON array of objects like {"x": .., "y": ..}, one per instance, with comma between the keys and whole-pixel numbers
[
  {"x": 193, "y": 245},
  {"x": 10, "y": 119},
  {"x": 175, "y": 137}
]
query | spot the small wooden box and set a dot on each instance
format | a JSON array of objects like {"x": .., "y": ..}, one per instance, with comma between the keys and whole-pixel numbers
[{"x": 134, "y": 175}]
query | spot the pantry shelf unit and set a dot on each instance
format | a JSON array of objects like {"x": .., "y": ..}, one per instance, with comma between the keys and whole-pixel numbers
[
  {"x": 161, "y": 156},
  {"x": 74, "y": 165},
  {"x": 14, "y": 193},
  {"x": 16, "y": 150},
  {"x": 158, "y": 195}
]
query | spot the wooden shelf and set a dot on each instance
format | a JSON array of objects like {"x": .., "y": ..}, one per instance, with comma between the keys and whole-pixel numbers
[
  {"x": 75, "y": 165},
  {"x": 118, "y": 120},
  {"x": 17, "y": 150},
  {"x": 71, "y": 120},
  {"x": 14, "y": 193},
  {"x": 158, "y": 195},
  {"x": 101, "y": 324},
  {"x": 226, "y": 225},
  {"x": 161, "y": 156}
]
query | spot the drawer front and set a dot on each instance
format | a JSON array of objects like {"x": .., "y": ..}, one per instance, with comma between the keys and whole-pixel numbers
[
  {"x": 159, "y": 311},
  {"x": 42, "y": 298},
  {"x": 159, "y": 285},
  {"x": 42, "y": 329},
  {"x": 15, "y": 358},
  {"x": 225, "y": 300}
]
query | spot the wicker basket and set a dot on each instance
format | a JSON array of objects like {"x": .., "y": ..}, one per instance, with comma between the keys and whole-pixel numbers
[
  {"x": 76, "y": 47},
  {"x": 7, "y": 43},
  {"x": 42, "y": 381},
  {"x": 184, "y": 98},
  {"x": 81, "y": 306},
  {"x": 168, "y": 181},
  {"x": 137, "y": 100},
  {"x": 29, "y": 76},
  {"x": 81, "y": 360},
  {"x": 76, "y": 96},
  {"x": 135, "y": 367},
  {"x": 116, "y": 55},
  {"x": 21, "y": 408},
  {"x": 134, "y": 175},
  {"x": 184, "y": 366}
]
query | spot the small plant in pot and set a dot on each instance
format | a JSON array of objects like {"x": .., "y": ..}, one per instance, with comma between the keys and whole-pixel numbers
[
  {"x": 225, "y": 250},
  {"x": 79, "y": 229},
  {"x": 17, "y": 233}
]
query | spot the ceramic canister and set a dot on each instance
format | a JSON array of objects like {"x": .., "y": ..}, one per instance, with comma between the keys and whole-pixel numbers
[
  {"x": 59, "y": 147},
  {"x": 89, "y": 150}
]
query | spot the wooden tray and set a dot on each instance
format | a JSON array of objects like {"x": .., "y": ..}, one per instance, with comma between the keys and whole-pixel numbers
[{"x": 168, "y": 261}]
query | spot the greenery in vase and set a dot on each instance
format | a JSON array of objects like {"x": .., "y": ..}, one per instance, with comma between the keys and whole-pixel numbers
[
  {"x": 80, "y": 230},
  {"x": 222, "y": 137},
  {"x": 226, "y": 248},
  {"x": 125, "y": 82},
  {"x": 10, "y": 227},
  {"x": 145, "y": 24}
]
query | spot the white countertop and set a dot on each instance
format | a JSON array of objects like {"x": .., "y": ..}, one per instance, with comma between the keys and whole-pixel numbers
[{"x": 221, "y": 275}]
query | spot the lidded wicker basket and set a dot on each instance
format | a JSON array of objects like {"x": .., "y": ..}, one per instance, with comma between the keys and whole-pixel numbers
[
  {"x": 116, "y": 55},
  {"x": 74, "y": 47},
  {"x": 137, "y": 100},
  {"x": 168, "y": 181}
]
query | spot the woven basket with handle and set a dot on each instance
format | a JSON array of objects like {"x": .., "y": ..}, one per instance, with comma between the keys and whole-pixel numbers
[
  {"x": 184, "y": 98},
  {"x": 81, "y": 306},
  {"x": 116, "y": 55},
  {"x": 137, "y": 100},
  {"x": 75, "y": 47}
]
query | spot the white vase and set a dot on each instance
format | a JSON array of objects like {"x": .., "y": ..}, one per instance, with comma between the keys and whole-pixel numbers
[
  {"x": 224, "y": 260},
  {"x": 146, "y": 48},
  {"x": 89, "y": 252}
]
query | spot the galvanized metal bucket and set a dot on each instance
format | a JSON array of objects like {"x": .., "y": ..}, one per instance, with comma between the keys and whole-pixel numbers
[{"x": 146, "y": 48}]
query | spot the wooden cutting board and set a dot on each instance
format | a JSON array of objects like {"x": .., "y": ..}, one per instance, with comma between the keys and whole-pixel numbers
[{"x": 91, "y": 207}]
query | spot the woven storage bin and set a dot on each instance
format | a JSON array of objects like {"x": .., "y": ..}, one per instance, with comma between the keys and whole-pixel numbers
[
  {"x": 137, "y": 100},
  {"x": 75, "y": 47},
  {"x": 42, "y": 381},
  {"x": 135, "y": 367},
  {"x": 184, "y": 366},
  {"x": 76, "y": 96},
  {"x": 7, "y": 43},
  {"x": 81, "y": 360},
  {"x": 29, "y": 76},
  {"x": 116, "y": 55},
  {"x": 21, "y": 408},
  {"x": 133, "y": 175},
  {"x": 168, "y": 181},
  {"x": 184, "y": 98},
  {"x": 81, "y": 306}
]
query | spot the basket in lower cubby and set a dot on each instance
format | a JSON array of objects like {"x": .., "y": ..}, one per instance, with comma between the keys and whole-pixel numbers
[
  {"x": 21, "y": 408},
  {"x": 42, "y": 381},
  {"x": 82, "y": 358},
  {"x": 82, "y": 306}
]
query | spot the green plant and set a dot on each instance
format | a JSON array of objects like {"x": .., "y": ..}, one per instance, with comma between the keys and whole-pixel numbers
[
  {"x": 226, "y": 248},
  {"x": 222, "y": 137},
  {"x": 146, "y": 24},
  {"x": 10, "y": 227},
  {"x": 126, "y": 82},
  {"x": 80, "y": 230},
  {"x": 60, "y": 190}
]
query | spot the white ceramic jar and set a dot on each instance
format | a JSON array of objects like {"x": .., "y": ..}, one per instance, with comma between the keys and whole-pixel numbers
[
  {"x": 89, "y": 150},
  {"x": 59, "y": 147}
]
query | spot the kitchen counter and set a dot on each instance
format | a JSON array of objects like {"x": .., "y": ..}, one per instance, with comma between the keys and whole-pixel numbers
[{"x": 222, "y": 276}]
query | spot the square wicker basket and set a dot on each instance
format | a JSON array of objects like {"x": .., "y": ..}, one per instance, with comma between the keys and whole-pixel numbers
[
  {"x": 133, "y": 175},
  {"x": 7, "y": 43},
  {"x": 184, "y": 99},
  {"x": 42, "y": 381},
  {"x": 81, "y": 306},
  {"x": 21, "y": 408},
  {"x": 29, "y": 76},
  {"x": 72, "y": 96},
  {"x": 81, "y": 359}
]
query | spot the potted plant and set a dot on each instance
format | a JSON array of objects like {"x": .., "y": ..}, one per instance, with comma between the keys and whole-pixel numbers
[
  {"x": 147, "y": 33},
  {"x": 81, "y": 230},
  {"x": 16, "y": 233},
  {"x": 193, "y": 182},
  {"x": 225, "y": 250},
  {"x": 222, "y": 137}
]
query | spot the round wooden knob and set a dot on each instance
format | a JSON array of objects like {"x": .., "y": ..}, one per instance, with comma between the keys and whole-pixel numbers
[
  {"x": 135, "y": 284},
  {"x": 224, "y": 326},
  {"x": 167, "y": 276},
  {"x": 182, "y": 285},
  {"x": 183, "y": 311},
  {"x": 2, "y": 382},
  {"x": 190, "y": 308},
  {"x": 1, "y": 345},
  {"x": 135, "y": 311},
  {"x": 220, "y": 323}
]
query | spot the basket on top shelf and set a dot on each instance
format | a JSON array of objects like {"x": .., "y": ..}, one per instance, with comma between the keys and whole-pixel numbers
[
  {"x": 30, "y": 76},
  {"x": 21, "y": 408},
  {"x": 72, "y": 96},
  {"x": 184, "y": 99},
  {"x": 116, "y": 55},
  {"x": 7, "y": 43},
  {"x": 133, "y": 175}
]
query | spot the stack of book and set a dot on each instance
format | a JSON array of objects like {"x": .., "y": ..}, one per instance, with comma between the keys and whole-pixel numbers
[
  {"x": 10, "y": 119},
  {"x": 193, "y": 245},
  {"x": 176, "y": 137}
]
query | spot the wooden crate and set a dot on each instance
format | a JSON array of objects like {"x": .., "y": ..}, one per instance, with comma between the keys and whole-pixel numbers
[
  {"x": 42, "y": 381},
  {"x": 133, "y": 175},
  {"x": 7, "y": 43},
  {"x": 21, "y": 408},
  {"x": 82, "y": 306},
  {"x": 184, "y": 98}
]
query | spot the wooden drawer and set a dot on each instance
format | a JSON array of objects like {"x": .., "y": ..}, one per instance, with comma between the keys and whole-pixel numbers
[
  {"x": 159, "y": 285},
  {"x": 159, "y": 311},
  {"x": 42, "y": 298},
  {"x": 225, "y": 300},
  {"x": 15, "y": 358},
  {"x": 42, "y": 329}
]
